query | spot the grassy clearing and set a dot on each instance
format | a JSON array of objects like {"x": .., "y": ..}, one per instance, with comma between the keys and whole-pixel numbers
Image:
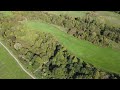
[
  {"x": 103, "y": 58},
  {"x": 9, "y": 68}
]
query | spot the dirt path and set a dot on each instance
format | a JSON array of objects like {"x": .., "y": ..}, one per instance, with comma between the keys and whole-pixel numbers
[{"x": 17, "y": 61}]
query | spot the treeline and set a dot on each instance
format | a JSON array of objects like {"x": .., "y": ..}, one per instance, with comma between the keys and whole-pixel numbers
[{"x": 91, "y": 28}]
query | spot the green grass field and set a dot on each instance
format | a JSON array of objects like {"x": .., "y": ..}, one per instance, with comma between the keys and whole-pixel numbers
[
  {"x": 103, "y": 58},
  {"x": 9, "y": 68}
]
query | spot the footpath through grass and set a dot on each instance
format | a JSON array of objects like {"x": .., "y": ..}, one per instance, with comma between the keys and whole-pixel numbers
[
  {"x": 103, "y": 58},
  {"x": 9, "y": 68}
]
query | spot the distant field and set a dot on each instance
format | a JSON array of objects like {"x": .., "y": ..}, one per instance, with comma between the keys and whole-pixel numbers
[
  {"x": 9, "y": 68},
  {"x": 6, "y": 13},
  {"x": 110, "y": 18},
  {"x": 69, "y": 13},
  {"x": 103, "y": 58}
]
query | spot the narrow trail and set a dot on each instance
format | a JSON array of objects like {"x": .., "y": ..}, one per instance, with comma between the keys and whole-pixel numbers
[{"x": 17, "y": 61}]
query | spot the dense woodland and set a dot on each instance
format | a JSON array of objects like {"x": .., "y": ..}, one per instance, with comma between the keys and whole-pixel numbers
[{"x": 45, "y": 56}]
